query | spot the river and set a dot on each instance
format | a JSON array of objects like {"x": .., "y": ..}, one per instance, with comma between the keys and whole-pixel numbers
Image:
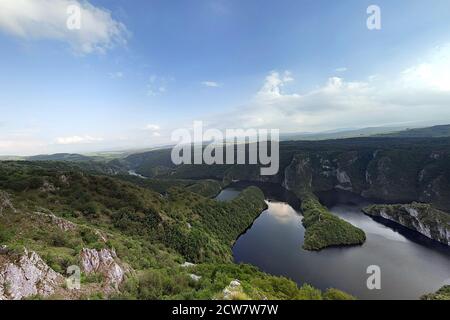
[{"x": 410, "y": 264}]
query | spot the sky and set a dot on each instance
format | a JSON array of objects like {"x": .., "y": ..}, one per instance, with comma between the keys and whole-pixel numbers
[{"x": 137, "y": 70}]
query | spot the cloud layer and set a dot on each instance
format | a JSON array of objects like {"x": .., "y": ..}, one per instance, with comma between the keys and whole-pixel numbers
[
  {"x": 211, "y": 84},
  {"x": 47, "y": 19},
  {"x": 418, "y": 93},
  {"x": 78, "y": 140}
]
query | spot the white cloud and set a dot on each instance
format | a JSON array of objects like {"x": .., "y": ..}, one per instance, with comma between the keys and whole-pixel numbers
[
  {"x": 418, "y": 93},
  {"x": 274, "y": 83},
  {"x": 152, "y": 127},
  {"x": 116, "y": 75},
  {"x": 431, "y": 73},
  {"x": 47, "y": 19},
  {"x": 157, "y": 85},
  {"x": 341, "y": 69},
  {"x": 78, "y": 140},
  {"x": 211, "y": 84}
]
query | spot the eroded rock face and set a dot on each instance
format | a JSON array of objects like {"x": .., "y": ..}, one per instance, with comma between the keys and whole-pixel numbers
[
  {"x": 344, "y": 180},
  {"x": 63, "y": 224},
  {"x": 26, "y": 276},
  {"x": 105, "y": 262},
  {"x": 393, "y": 175},
  {"x": 423, "y": 218}
]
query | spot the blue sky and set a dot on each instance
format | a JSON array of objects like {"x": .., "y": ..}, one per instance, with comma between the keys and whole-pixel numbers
[{"x": 136, "y": 70}]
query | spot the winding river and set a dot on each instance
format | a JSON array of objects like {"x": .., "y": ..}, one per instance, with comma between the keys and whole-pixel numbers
[{"x": 410, "y": 264}]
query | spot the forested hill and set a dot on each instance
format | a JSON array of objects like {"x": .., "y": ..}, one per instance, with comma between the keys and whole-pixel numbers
[
  {"x": 389, "y": 169},
  {"x": 129, "y": 239}
]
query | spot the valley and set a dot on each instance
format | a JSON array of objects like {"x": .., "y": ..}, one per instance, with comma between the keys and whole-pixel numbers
[{"x": 167, "y": 237}]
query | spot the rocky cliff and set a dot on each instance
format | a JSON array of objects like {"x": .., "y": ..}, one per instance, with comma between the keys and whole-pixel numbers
[
  {"x": 389, "y": 175},
  {"x": 396, "y": 170},
  {"x": 25, "y": 276},
  {"x": 419, "y": 217},
  {"x": 106, "y": 263}
]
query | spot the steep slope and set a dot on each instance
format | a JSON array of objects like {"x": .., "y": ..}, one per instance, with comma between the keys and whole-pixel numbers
[
  {"x": 390, "y": 169},
  {"x": 128, "y": 241},
  {"x": 419, "y": 217}
]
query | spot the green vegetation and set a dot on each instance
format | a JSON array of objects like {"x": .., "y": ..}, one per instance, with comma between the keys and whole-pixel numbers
[
  {"x": 442, "y": 294},
  {"x": 207, "y": 188},
  {"x": 151, "y": 232},
  {"x": 215, "y": 277},
  {"x": 397, "y": 170},
  {"x": 324, "y": 229}
]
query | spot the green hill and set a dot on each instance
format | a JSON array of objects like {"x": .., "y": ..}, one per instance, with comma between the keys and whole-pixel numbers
[{"x": 62, "y": 212}]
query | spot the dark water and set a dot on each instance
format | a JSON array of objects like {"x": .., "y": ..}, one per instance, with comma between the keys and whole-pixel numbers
[
  {"x": 410, "y": 264},
  {"x": 228, "y": 194}
]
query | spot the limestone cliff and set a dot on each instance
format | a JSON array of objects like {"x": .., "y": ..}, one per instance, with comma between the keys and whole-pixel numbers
[
  {"x": 389, "y": 175},
  {"x": 423, "y": 218},
  {"x": 104, "y": 262},
  {"x": 26, "y": 275}
]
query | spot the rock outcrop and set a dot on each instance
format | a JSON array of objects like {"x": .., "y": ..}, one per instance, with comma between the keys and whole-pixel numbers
[
  {"x": 63, "y": 224},
  {"x": 233, "y": 291},
  {"x": 392, "y": 175},
  {"x": 423, "y": 218},
  {"x": 25, "y": 276},
  {"x": 104, "y": 262}
]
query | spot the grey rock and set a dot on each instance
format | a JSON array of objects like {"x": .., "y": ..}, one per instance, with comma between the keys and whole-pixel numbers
[
  {"x": 104, "y": 261},
  {"x": 26, "y": 276}
]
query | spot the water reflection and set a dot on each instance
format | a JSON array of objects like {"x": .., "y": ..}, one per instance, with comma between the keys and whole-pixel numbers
[
  {"x": 282, "y": 212},
  {"x": 410, "y": 264}
]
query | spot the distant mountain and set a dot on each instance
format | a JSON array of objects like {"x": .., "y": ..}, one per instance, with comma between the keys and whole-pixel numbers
[
  {"x": 59, "y": 157},
  {"x": 340, "y": 134},
  {"x": 11, "y": 158},
  {"x": 440, "y": 131}
]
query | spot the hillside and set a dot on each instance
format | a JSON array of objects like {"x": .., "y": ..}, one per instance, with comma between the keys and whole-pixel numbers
[
  {"x": 394, "y": 170},
  {"x": 390, "y": 170},
  {"x": 129, "y": 241}
]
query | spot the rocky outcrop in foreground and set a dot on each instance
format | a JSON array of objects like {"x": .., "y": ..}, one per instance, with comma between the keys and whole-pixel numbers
[
  {"x": 423, "y": 218},
  {"x": 25, "y": 276},
  {"x": 104, "y": 262}
]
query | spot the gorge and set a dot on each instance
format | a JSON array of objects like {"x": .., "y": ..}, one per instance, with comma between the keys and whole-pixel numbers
[{"x": 410, "y": 265}]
